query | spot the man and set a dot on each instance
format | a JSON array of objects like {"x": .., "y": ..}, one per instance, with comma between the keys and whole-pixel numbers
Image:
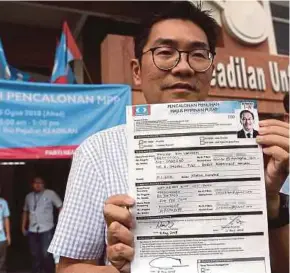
[
  {"x": 247, "y": 121},
  {"x": 38, "y": 208},
  {"x": 5, "y": 236},
  {"x": 174, "y": 64}
]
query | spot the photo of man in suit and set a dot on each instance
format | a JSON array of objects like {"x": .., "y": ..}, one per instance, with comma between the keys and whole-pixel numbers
[{"x": 247, "y": 120}]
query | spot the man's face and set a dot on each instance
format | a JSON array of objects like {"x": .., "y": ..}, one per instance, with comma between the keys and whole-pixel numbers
[
  {"x": 38, "y": 185},
  {"x": 247, "y": 121},
  {"x": 181, "y": 83}
]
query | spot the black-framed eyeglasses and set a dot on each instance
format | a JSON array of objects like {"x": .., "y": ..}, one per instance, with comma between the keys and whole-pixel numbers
[{"x": 166, "y": 58}]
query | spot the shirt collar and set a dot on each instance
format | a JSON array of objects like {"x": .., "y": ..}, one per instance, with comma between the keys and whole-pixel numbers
[{"x": 251, "y": 132}]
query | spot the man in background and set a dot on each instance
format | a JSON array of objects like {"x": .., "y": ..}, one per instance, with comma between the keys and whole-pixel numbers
[
  {"x": 247, "y": 121},
  {"x": 5, "y": 236},
  {"x": 38, "y": 211}
]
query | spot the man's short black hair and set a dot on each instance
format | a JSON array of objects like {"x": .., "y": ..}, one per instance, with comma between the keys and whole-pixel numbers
[
  {"x": 37, "y": 177},
  {"x": 184, "y": 10},
  {"x": 246, "y": 111},
  {"x": 286, "y": 102}
]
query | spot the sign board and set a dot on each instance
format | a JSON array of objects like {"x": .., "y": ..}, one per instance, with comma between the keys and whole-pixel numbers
[
  {"x": 40, "y": 120},
  {"x": 256, "y": 75}
]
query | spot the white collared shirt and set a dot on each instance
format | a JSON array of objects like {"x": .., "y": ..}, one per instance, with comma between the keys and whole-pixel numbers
[{"x": 40, "y": 208}]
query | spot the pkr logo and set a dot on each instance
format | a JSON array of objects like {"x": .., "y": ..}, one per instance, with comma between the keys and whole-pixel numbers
[{"x": 141, "y": 110}]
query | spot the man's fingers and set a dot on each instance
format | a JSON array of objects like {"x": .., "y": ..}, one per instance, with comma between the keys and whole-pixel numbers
[
  {"x": 277, "y": 153},
  {"x": 117, "y": 233},
  {"x": 277, "y": 168},
  {"x": 273, "y": 122},
  {"x": 126, "y": 268},
  {"x": 120, "y": 200},
  {"x": 274, "y": 140},
  {"x": 120, "y": 239},
  {"x": 114, "y": 213},
  {"x": 278, "y": 130},
  {"x": 119, "y": 253}
]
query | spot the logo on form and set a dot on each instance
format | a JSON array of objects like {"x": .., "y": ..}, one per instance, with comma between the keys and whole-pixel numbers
[{"x": 141, "y": 110}]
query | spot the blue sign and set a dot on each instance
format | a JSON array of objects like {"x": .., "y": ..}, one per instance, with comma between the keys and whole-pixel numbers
[{"x": 41, "y": 120}]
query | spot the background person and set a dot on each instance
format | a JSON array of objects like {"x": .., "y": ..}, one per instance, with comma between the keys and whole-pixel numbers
[
  {"x": 38, "y": 211},
  {"x": 5, "y": 235}
]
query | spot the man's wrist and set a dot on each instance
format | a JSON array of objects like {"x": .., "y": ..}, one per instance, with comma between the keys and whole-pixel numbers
[
  {"x": 280, "y": 219},
  {"x": 273, "y": 206}
]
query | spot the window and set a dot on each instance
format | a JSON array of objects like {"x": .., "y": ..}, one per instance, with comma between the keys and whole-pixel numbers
[{"x": 280, "y": 16}]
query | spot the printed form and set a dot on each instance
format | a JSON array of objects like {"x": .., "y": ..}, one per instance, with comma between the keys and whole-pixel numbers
[{"x": 198, "y": 180}]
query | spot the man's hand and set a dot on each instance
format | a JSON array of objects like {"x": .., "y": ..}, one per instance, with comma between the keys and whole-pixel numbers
[
  {"x": 274, "y": 138},
  {"x": 120, "y": 240}
]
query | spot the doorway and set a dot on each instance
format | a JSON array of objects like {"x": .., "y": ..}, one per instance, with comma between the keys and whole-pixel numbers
[{"x": 15, "y": 182}]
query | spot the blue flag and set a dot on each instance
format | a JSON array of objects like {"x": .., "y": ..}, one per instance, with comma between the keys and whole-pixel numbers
[{"x": 5, "y": 72}]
